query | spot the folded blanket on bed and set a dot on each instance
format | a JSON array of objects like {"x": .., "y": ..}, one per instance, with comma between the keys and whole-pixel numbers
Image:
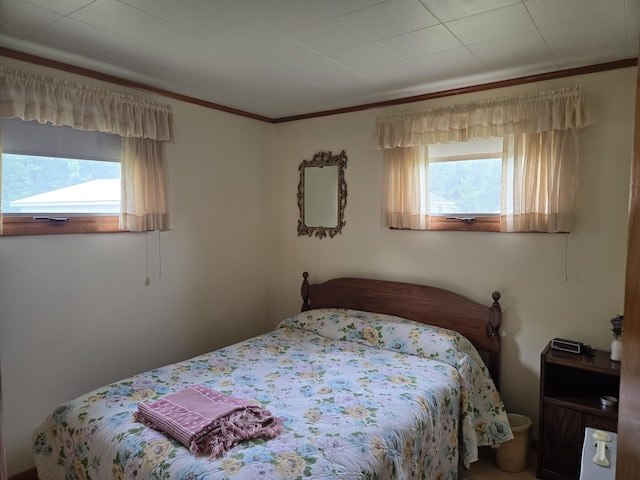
[{"x": 206, "y": 421}]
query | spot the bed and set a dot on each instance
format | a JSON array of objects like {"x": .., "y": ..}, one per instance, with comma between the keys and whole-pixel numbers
[{"x": 373, "y": 379}]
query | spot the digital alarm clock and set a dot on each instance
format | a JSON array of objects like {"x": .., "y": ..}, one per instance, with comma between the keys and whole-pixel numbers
[{"x": 567, "y": 345}]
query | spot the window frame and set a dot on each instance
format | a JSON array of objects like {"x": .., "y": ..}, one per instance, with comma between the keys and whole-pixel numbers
[
  {"x": 15, "y": 224},
  {"x": 481, "y": 223},
  {"x": 37, "y": 223},
  {"x": 460, "y": 221}
]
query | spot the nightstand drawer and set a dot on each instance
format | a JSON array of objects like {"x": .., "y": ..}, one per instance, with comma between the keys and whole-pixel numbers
[{"x": 599, "y": 423}]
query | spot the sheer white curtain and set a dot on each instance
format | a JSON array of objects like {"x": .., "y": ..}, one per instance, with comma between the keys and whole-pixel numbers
[
  {"x": 45, "y": 99},
  {"x": 406, "y": 175},
  {"x": 144, "y": 205},
  {"x": 540, "y": 156},
  {"x": 539, "y": 181}
]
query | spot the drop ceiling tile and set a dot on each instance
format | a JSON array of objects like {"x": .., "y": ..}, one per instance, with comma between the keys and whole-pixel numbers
[
  {"x": 546, "y": 13},
  {"x": 392, "y": 18},
  {"x": 288, "y": 84},
  {"x": 78, "y": 54},
  {"x": 182, "y": 44},
  {"x": 280, "y": 51},
  {"x": 452, "y": 64},
  {"x": 86, "y": 42},
  {"x": 292, "y": 57},
  {"x": 121, "y": 19},
  {"x": 330, "y": 36},
  {"x": 471, "y": 79},
  {"x": 179, "y": 44},
  {"x": 448, "y": 10},
  {"x": 181, "y": 12},
  {"x": 206, "y": 72},
  {"x": 326, "y": 72},
  {"x": 235, "y": 65},
  {"x": 9, "y": 35},
  {"x": 633, "y": 29},
  {"x": 422, "y": 42},
  {"x": 515, "y": 56},
  {"x": 239, "y": 94},
  {"x": 231, "y": 30},
  {"x": 589, "y": 41},
  {"x": 259, "y": 101},
  {"x": 79, "y": 37},
  {"x": 62, "y": 7},
  {"x": 259, "y": 72},
  {"x": 23, "y": 16},
  {"x": 327, "y": 9},
  {"x": 364, "y": 56},
  {"x": 282, "y": 16},
  {"x": 458, "y": 64},
  {"x": 250, "y": 98},
  {"x": 390, "y": 76},
  {"x": 502, "y": 22}
]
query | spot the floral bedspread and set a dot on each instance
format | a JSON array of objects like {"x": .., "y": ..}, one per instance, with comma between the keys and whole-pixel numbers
[{"x": 362, "y": 395}]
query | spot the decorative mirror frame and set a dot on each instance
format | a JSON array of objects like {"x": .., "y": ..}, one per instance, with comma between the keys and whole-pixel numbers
[{"x": 324, "y": 159}]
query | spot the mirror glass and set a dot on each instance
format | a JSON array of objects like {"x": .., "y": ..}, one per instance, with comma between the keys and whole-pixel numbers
[{"x": 322, "y": 195}]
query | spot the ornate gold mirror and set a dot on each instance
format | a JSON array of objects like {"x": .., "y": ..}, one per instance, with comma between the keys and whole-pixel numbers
[{"x": 322, "y": 195}]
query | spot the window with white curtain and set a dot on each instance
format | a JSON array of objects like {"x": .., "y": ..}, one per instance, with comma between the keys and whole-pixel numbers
[
  {"x": 507, "y": 164},
  {"x": 78, "y": 159},
  {"x": 465, "y": 178},
  {"x": 58, "y": 170}
]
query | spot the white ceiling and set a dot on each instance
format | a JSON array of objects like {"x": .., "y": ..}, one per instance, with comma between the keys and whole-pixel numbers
[{"x": 280, "y": 58}]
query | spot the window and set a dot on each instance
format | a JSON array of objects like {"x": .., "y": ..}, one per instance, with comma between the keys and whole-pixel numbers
[
  {"x": 465, "y": 181},
  {"x": 41, "y": 185},
  {"x": 465, "y": 186},
  {"x": 465, "y": 177},
  {"x": 504, "y": 165},
  {"x": 134, "y": 131},
  {"x": 56, "y": 179}
]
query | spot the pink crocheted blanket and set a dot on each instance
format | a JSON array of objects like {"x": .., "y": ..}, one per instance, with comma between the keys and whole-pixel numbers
[{"x": 207, "y": 421}]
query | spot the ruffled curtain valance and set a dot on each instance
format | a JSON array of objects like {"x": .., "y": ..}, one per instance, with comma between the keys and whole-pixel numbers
[
  {"x": 540, "y": 146},
  {"x": 143, "y": 125},
  {"x": 34, "y": 97},
  {"x": 546, "y": 111}
]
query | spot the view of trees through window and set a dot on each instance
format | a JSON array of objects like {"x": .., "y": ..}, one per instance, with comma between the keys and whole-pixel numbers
[
  {"x": 465, "y": 186},
  {"x": 24, "y": 176}
]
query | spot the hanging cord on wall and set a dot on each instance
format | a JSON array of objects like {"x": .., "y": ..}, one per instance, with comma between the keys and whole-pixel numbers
[
  {"x": 147, "y": 280},
  {"x": 566, "y": 256},
  {"x": 159, "y": 258}
]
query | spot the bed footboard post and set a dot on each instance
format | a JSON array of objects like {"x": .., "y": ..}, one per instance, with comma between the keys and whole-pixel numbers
[
  {"x": 493, "y": 331},
  {"x": 304, "y": 292}
]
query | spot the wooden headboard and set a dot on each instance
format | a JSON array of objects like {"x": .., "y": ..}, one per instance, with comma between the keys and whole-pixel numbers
[{"x": 421, "y": 303}]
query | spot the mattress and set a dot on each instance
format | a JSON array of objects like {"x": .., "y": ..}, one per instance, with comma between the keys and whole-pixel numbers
[{"x": 361, "y": 396}]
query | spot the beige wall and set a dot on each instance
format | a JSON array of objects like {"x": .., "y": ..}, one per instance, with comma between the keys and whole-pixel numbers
[
  {"x": 528, "y": 269},
  {"x": 74, "y": 309},
  {"x": 75, "y": 313}
]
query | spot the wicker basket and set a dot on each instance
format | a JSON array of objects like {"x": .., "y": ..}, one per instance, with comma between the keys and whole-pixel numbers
[{"x": 511, "y": 456}]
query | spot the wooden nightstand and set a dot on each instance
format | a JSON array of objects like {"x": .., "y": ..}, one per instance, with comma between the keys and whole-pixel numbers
[{"x": 570, "y": 389}]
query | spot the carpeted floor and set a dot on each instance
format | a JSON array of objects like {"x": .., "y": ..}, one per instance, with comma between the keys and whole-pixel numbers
[{"x": 485, "y": 468}]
